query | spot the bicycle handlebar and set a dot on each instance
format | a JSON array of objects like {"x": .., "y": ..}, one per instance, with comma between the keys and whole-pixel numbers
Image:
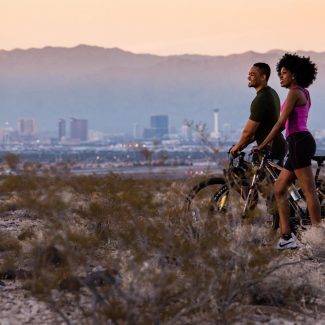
[
  {"x": 240, "y": 156},
  {"x": 265, "y": 153}
]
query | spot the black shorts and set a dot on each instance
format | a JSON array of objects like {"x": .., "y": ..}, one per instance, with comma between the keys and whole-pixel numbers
[{"x": 302, "y": 148}]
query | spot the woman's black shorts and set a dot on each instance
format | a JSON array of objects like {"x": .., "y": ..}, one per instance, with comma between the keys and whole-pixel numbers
[{"x": 302, "y": 148}]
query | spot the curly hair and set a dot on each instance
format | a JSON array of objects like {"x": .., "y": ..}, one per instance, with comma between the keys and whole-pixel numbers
[{"x": 302, "y": 67}]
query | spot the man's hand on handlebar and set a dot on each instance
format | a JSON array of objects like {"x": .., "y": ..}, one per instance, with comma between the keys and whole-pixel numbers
[{"x": 234, "y": 151}]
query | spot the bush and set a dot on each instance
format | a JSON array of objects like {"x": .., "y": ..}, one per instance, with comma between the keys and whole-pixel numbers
[{"x": 155, "y": 264}]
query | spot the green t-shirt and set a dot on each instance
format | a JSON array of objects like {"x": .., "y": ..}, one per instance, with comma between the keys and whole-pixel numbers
[{"x": 265, "y": 109}]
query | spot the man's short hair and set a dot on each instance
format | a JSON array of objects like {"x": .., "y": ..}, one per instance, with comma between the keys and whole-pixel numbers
[{"x": 264, "y": 69}]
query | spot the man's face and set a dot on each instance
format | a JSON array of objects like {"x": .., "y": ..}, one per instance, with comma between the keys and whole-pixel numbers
[{"x": 254, "y": 77}]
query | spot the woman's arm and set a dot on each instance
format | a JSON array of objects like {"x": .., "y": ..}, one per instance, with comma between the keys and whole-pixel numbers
[{"x": 291, "y": 100}]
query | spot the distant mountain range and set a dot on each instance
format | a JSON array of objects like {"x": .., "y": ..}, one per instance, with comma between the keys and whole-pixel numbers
[{"x": 114, "y": 89}]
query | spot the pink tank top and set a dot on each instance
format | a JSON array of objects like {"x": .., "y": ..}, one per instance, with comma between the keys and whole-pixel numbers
[{"x": 297, "y": 120}]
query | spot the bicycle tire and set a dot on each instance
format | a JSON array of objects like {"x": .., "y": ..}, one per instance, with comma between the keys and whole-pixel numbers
[
  {"x": 210, "y": 181},
  {"x": 217, "y": 198},
  {"x": 321, "y": 195},
  {"x": 207, "y": 194}
]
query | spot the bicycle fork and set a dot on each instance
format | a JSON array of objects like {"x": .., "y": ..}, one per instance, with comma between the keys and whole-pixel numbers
[{"x": 252, "y": 187}]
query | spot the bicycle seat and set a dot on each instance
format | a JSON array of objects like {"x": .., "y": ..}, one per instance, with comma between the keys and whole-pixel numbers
[{"x": 319, "y": 159}]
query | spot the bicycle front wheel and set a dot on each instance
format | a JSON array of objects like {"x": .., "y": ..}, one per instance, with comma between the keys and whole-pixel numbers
[
  {"x": 208, "y": 198},
  {"x": 320, "y": 189},
  {"x": 321, "y": 195}
]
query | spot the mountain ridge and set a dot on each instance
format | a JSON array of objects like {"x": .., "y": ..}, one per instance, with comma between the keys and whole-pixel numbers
[
  {"x": 114, "y": 88},
  {"x": 116, "y": 48}
]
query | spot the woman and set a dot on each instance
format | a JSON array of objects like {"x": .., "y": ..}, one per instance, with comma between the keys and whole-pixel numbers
[{"x": 296, "y": 73}]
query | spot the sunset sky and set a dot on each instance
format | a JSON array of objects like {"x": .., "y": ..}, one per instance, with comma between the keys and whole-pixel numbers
[{"x": 165, "y": 26}]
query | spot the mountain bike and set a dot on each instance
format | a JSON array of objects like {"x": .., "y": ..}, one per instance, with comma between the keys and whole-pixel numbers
[{"x": 242, "y": 186}]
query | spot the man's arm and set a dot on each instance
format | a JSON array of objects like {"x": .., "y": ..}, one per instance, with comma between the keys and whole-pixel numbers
[{"x": 247, "y": 136}]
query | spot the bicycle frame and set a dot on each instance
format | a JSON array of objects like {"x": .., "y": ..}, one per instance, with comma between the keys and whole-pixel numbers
[
  {"x": 252, "y": 186},
  {"x": 272, "y": 169},
  {"x": 245, "y": 177}
]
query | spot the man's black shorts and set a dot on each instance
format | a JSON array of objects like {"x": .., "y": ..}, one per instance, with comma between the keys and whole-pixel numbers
[{"x": 302, "y": 148}]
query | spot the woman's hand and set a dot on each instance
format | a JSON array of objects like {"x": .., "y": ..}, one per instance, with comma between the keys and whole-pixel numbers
[{"x": 257, "y": 149}]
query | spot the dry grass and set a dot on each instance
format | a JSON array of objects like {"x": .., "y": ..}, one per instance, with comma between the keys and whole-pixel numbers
[{"x": 159, "y": 266}]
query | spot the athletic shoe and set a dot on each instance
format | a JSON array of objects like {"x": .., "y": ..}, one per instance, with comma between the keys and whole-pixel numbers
[{"x": 286, "y": 244}]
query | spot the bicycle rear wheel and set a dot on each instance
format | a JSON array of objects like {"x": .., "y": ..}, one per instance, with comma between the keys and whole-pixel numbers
[{"x": 207, "y": 198}]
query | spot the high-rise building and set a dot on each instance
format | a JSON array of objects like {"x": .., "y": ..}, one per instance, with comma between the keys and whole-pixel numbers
[
  {"x": 186, "y": 132},
  {"x": 2, "y": 136},
  {"x": 160, "y": 124},
  {"x": 7, "y": 133},
  {"x": 137, "y": 131},
  {"x": 26, "y": 128},
  {"x": 62, "y": 129},
  {"x": 158, "y": 127},
  {"x": 79, "y": 129},
  {"x": 215, "y": 134}
]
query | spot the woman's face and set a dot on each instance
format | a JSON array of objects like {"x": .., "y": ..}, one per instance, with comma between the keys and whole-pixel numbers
[{"x": 286, "y": 77}]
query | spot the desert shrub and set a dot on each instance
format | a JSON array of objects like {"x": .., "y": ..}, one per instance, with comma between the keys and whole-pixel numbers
[
  {"x": 57, "y": 255},
  {"x": 12, "y": 160},
  {"x": 26, "y": 233},
  {"x": 18, "y": 183},
  {"x": 159, "y": 265},
  {"x": 8, "y": 266},
  {"x": 9, "y": 243}
]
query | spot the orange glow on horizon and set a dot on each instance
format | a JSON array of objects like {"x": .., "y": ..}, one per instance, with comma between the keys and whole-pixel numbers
[{"x": 165, "y": 26}]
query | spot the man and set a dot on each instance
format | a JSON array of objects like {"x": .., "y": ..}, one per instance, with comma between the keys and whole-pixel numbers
[{"x": 264, "y": 113}]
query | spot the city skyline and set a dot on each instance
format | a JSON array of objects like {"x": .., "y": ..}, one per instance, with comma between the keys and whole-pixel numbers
[
  {"x": 29, "y": 125},
  {"x": 158, "y": 127},
  {"x": 164, "y": 27}
]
